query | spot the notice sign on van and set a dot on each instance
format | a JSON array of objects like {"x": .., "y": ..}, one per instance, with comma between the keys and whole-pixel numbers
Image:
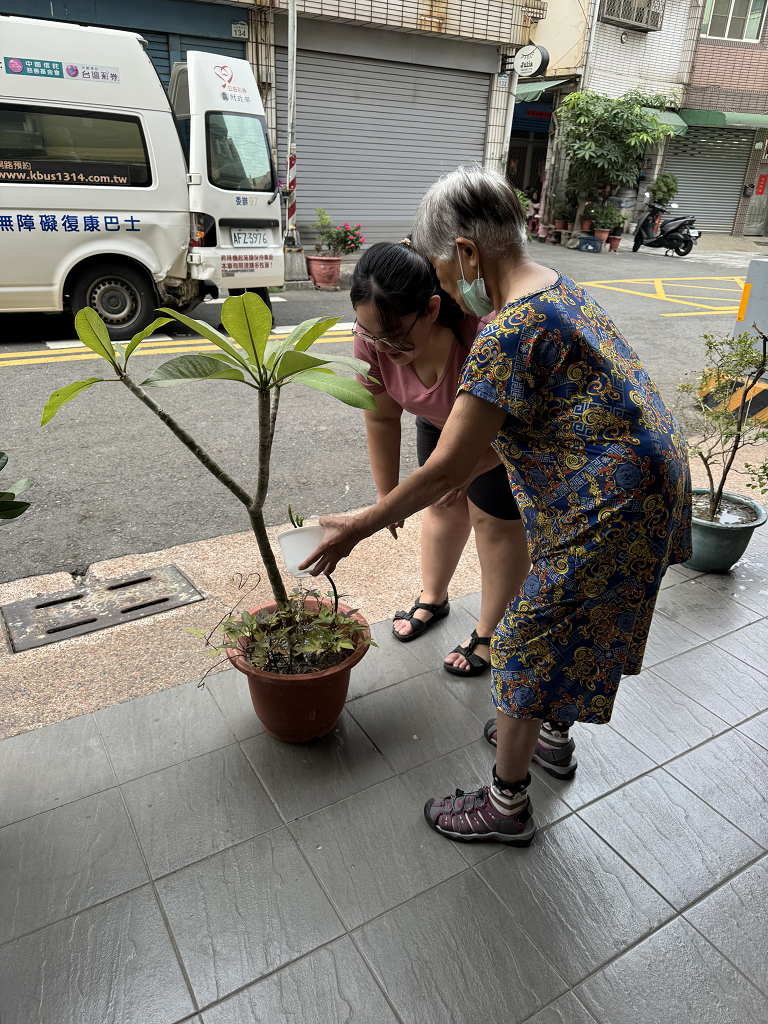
[{"x": 59, "y": 69}]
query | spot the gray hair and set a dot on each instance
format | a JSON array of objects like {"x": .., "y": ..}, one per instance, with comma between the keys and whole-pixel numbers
[{"x": 474, "y": 203}]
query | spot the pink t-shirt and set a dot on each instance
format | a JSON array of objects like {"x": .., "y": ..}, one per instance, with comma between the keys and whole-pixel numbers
[{"x": 403, "y": 385}]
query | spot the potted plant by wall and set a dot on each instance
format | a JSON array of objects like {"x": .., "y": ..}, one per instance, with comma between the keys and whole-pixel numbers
[
  {"x": 586, "y": 220},
  {"x": 716, "y": 413},
  {"x": 560, "y": 217},
  {"x": 665, "y": 188},
  {"x": 325, "y": 266},
  {"x": 297, "y": 651},
  {"x": 604, "y": 219}
]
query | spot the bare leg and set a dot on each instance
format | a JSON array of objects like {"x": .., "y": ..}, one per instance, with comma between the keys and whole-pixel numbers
[
  {"x": 444, "y": 532},
  {"x": 504, "y": 564},
  {"x": 516, "y": 741}
]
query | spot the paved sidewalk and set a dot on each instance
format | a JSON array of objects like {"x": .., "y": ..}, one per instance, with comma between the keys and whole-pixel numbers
[{"x": 163, "y": 860}]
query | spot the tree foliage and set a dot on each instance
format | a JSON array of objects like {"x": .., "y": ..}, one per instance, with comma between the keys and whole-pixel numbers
[{"x": 604, "y": 137}]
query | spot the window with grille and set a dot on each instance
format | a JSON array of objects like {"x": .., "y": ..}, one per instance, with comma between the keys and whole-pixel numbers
[
  {"x": 640, "y": 15},
  {"x": 733, "y": 19}
]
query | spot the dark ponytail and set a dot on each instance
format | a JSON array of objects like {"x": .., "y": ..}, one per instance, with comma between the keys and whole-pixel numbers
[{"x": 400, "y": 281}]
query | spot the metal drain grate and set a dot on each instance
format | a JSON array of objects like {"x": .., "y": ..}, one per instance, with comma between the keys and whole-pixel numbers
[{"x": 48, "y": 618}]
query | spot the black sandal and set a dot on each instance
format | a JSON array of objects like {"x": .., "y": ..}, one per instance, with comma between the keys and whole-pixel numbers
[
  {"x": 439, "y": 611},
  {"x": 477, "y": 665}
]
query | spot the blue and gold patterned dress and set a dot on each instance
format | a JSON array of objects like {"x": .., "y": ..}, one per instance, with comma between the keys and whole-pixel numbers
[{"x": 599, "y": 469}]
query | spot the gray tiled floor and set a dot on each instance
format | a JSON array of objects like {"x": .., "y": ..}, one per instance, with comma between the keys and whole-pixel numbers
[{"x": 164, "y": 860}]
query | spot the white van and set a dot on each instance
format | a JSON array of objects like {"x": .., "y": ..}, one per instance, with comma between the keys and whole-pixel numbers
[{"x": 99, "y": 203}]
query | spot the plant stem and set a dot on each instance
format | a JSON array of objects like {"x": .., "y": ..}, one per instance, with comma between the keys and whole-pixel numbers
[
  {"x": 188, "y": 441},
  {"x": 749, "y": 384},
  {"x": 267, "y": 420},
  {"x": 335, "y": 594}
]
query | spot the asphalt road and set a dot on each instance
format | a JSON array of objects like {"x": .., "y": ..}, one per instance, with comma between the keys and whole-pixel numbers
[{"x": 110, "y": 479}]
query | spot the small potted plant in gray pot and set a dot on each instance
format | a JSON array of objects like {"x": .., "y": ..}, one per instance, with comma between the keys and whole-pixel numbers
[{"x": 720, "y": 423}]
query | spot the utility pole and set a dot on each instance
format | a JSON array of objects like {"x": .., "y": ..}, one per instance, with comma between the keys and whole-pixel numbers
[
  {"x": 510, "y": 116},
  {"x": 296, "y": 276}
]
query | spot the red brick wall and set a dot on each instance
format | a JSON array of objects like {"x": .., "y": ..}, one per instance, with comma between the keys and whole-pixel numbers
[{"x": 731, "y": 67}]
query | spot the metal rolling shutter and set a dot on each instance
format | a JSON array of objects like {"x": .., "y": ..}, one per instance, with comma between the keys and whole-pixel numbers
[
  {"x": 159, "y": 54},
  {"x": 159, "y": 50},
  {"x": 710, "y": 164},
  {"x": 373, "y": 135},
  {"x": 226, "y": 47}
]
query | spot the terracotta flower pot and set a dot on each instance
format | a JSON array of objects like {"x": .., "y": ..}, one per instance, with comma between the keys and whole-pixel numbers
[
  {"x": 569, "y": 226},
  {"x": 613, "y": 241},
  {"x": 602, "y": 233},
  {"x": 296, "y": 709},
  {"x": 324, "y": 270},
  {"x": 586, "y": 224},
  {"x": 559, "y": 225}
]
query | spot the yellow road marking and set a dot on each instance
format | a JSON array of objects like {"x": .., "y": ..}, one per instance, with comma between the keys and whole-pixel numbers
[
  {"x": 147, "y": 348},
  {"x": 702, "y": 303}
]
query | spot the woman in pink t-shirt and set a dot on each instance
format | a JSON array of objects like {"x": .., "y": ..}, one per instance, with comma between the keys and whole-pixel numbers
[{"x": 416, "y": 339}]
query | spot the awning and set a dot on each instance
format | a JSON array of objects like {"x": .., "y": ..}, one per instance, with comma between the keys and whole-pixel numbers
[
  {"x": 529, "y": 92},
  {"x": 723, "y": 118},
  {"x": 670, "y": 118}
]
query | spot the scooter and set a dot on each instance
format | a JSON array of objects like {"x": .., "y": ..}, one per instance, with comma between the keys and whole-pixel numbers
[{"x": 676, "y": 234}]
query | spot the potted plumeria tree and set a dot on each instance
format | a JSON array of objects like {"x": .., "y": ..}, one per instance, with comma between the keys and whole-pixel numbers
[
  {"x": 716, "y": 412},
  {"x": 297, "y": 650},
  {"x": 325, "y": 266}
]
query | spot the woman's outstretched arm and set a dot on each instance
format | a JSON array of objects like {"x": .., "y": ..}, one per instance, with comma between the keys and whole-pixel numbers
[{"x": 471, "y": 427}]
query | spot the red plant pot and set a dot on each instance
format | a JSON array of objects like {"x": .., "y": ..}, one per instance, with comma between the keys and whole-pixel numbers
[
  {"x": 296, "y": 709},
  {"x": 570, "y": 225},
  {"x": 613, "y": 242},
  {"x": 559, "y": 225},
  {"x": 602, "y": 233},
  {"x": 586, "y": 224},
  {"x": 324, "y": 270}
]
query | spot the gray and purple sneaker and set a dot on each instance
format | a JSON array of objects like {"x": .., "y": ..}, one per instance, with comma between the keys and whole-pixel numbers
[
  {"x": 554, "y": 748},
  {"x": 472, "y": 817}
]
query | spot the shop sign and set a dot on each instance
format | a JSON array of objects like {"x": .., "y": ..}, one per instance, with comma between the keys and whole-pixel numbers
[{"x": 531, "y": 60}]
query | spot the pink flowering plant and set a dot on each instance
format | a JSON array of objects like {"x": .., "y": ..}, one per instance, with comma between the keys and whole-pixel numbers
[{"x": 342, "y": 241}]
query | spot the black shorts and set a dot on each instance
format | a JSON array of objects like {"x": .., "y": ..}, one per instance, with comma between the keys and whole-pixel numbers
[{"x": 490, "y": 491}]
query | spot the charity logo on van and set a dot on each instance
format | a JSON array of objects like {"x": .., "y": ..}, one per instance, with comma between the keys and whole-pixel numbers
[
  {"x": 30, "y": 66},
  {"x": 224, "y": 73},
  {"x": 93, "y": 73}
]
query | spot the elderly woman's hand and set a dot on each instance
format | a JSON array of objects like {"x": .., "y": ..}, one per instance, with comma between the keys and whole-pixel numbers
[
  {"x": 449, "y": 500},
  {"x": 340, "y": 538}
]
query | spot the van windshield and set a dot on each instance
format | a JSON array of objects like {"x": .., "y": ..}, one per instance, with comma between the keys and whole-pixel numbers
[
  {"x": 238, "y": 152},
  {"x": 47, "y": 146}
]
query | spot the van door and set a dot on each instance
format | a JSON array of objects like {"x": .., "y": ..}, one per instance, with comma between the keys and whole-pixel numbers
[{"x": 236, "y": 237}]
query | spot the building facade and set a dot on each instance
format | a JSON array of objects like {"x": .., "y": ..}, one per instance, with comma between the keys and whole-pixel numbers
[{"x": 722, "y": 160}]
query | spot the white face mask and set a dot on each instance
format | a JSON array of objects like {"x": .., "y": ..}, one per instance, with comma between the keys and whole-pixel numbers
[{"x": 473, "y": 293}]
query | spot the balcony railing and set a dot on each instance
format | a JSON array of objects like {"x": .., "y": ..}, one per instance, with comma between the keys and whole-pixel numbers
[
  {"x": 637, "y": 15},
  {"x": 492, "y": 21}
]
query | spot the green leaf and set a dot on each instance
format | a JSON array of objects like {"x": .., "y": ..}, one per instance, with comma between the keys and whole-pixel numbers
[
  {"x": 190, "y": 368},
  {"x": 294, "y": 362},
  {"x": 137, "y": 339},
  {"x": 20, "y": 486},
  {"x": 92, "y": 332},
  {"x": 12, "y": 509},
  {"x": 208, "y": 332},
  {"x": 63, "y": 395},
  {"x": 311, "y": 333},
  {"x": 248, "y": 320},
  {"x": 350, "y": 392},
  {"x": 358, "y": 365}
]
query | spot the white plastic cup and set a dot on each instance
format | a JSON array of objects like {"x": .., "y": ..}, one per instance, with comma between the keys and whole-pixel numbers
[{"x": 298, "y": 545}]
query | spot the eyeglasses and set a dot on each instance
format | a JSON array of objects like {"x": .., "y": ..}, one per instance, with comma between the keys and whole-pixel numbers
[{"x": 396, "y": 346}]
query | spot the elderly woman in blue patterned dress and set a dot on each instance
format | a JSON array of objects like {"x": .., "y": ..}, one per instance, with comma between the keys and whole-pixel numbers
[{"x": 597, "y": 465}]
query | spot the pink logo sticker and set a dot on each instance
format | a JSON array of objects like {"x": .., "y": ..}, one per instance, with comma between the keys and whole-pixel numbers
[
  {"x": 224, "y": 73},
  {"x": 73, "y": 70},
  {"x": 15, "y": 65}
]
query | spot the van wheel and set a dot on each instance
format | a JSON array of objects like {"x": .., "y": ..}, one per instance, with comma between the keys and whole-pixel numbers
[{"x": 122, "y": 296}]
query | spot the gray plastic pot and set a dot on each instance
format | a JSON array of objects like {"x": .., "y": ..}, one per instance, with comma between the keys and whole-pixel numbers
[{"x": 718, "y": 546}]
